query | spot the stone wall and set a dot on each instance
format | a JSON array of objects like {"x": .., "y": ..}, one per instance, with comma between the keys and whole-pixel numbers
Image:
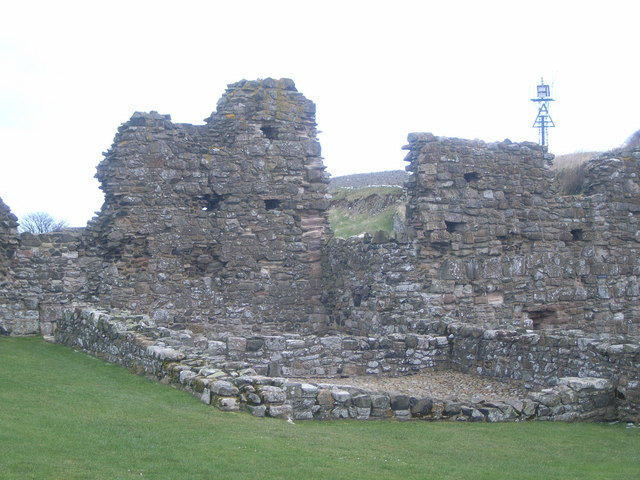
[
  {"x": 46, "y": 272},
  {"x": 541, "y": 358},
  {"x": 503, "y": 248},
  {"x": 494, "y": 244},
  {"x": 8, "y": 238},
  {"x": 372, "y": 286},
  {"x": 227, "y": 372},
  {"x": 218, "y": 226}
]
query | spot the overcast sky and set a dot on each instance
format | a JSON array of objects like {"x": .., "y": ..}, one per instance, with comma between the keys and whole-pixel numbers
[{"x": 72, "y": 71}]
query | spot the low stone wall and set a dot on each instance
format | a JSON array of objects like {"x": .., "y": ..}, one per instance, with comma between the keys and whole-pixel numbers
[
  {"x": 540, "y": 358},
  {"x": 46, "y": 270},
  {"x": 224, "y": 373}
]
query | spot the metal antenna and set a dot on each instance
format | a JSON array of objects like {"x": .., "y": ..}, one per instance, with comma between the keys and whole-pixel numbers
[{"x": 543, "y": 120}]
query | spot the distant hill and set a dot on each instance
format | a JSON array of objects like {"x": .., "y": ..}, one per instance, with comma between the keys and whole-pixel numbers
[{"x": 394, "y": 178}]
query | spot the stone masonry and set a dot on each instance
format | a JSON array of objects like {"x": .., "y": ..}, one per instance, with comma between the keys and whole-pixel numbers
[
  {"x": 212, "y": 253},
  {"x": 490, "y": 242},
  {"x": 219, "y": 225}
]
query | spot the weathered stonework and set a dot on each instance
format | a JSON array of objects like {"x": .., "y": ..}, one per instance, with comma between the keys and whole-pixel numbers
[
  {"x": 225, "y": 374},
  {"x": 219, "y": 225},
  {"x": 8, "y": 238},
  {"x": 490, "y": 242},
  {"x": 211, "y": 266}
]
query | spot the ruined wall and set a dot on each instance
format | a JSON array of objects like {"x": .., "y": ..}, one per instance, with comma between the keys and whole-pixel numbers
[
  {"x": 46, "y": 272},
  {"x": 229, "y": 373},
  {"x": 496, "y": 245},
  {"x": 498, "y": 241},
  {"x": 219, "y": 225},
  {"x": 8, "y": 245},
  {"x": 8, "y": 238},
  {"x": 372, "y": 287},
  {"x": 214, "y": 237}
]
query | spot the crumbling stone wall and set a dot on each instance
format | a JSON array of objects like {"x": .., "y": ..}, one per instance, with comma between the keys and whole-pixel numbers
[
  {"x": 8, "y": 245},
  {"x": 372, "y": 287},
  {"x": 495, "y": 244},
  {"x": 8, "y": 238},
  {"x": 229, "y": 373},
  {"x": 45, "y": 273},
  {"x": 219, "y": 225}
]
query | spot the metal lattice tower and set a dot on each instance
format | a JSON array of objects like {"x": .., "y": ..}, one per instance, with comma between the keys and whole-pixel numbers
[{"x": 543, "y": 120}]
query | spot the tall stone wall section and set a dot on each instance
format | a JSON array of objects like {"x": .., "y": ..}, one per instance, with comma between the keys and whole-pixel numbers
[
  {"x": 219, "y": 226},
  {"x": 8, "y": 246},
  {"x": 8, "y": 238},
  {"x": 491, "y": 242},
  {"x": 504, "y": 248}
]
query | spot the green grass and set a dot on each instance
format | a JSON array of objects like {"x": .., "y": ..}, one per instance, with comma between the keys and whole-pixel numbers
[
  {"x": 345, "y": 224},
  {"x": 64, "y": 415},
  {"x": 362, "y": 217}
]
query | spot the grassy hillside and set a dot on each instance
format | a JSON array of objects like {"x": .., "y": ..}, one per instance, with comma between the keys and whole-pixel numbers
[
  {"x": 359, "y": 210},
  {"x": 64, "y": 415}
]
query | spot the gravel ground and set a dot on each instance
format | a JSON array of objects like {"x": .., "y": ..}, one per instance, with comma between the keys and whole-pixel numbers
[{"x": 437, "y": 384}]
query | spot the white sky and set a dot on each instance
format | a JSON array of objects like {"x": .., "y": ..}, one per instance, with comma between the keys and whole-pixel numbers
[{"x": 72, "y": 71}]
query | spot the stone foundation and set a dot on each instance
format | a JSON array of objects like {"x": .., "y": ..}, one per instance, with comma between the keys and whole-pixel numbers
[{"x": 238, "y": 373}]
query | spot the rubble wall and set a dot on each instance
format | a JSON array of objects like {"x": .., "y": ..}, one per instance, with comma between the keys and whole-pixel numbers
[
  {"x": 46, "y": 272},
  {"x": 502, "y": 247},
  {"x": 235, "y": 373},
  {"x": 218, "y": 226},
  {"x": 492, "y": 243},
  {"x": 8, "y": 245}
]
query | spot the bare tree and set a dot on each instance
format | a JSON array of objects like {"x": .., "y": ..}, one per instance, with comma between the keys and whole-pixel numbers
[{"x": 40, "y": 222}]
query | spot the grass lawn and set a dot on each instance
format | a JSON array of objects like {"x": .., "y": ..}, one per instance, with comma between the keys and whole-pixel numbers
[{"x": 65, "y": 415}]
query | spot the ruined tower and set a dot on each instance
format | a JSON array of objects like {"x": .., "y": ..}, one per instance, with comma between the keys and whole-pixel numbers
[{"x": 218, "y": 226}]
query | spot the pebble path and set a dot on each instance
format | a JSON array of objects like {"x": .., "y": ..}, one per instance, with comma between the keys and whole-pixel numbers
[{"x": 437, "y": 384}]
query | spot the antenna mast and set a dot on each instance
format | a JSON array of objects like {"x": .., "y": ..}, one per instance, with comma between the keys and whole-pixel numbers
[{"x": 543, "y": 120}]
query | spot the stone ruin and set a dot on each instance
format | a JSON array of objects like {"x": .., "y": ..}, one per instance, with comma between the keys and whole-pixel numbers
[{"x": 211, "y": 265}]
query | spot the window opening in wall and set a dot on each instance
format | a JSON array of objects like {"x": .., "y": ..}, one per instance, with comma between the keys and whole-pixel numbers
[
  {"x": 472, "y": 176},
  {"x": 271, "y": 204},
  {"x": 455, "y": 227},
  {"x": 211, "y": 201},
  {"x": 546, "y": 317},
  {"x": 577, "y": 234},
  {"x": 357, "y": 300},
  {"x": 270, "y": 132}
]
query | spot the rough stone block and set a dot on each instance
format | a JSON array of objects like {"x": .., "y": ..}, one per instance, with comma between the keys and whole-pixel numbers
[
  {"x": 272, "y": 395},
  {"x": 257, "y": 410},
  {"x": 280, "y": 411},
  {"x": 400, "y": 402},
  {"x": 224, "y": 388}
]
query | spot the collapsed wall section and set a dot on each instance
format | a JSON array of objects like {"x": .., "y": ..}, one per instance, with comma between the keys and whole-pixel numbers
[{"x": 218, "y": 226}]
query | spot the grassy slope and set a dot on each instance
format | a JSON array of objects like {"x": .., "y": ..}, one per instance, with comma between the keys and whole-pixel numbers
[
  {"x": 346, "y": 223},
  {"x": 66, "y": 415}
]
